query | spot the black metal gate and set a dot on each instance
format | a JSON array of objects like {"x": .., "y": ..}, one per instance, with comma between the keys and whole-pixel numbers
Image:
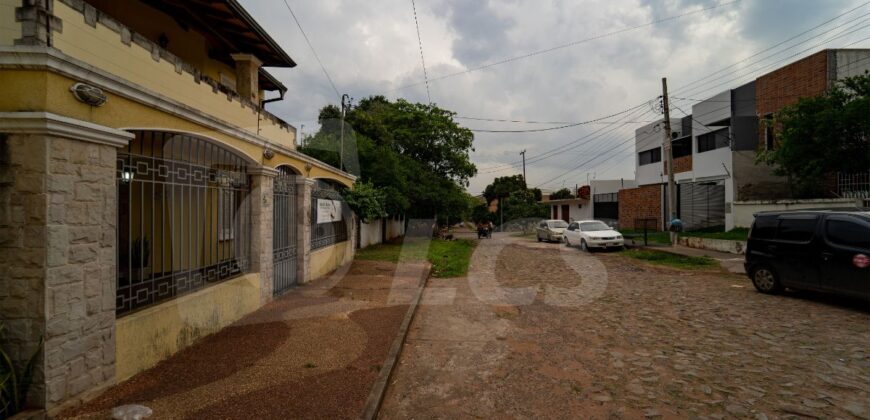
[
  {"x": 284, "y": 230},
  {"x": 605, "y": 206}
]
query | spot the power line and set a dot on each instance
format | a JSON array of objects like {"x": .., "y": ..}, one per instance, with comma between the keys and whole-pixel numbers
[
  {"x": 570, "y": 44},
  {"x": 537, "y": 130},
  {"x": 422, "y": 60},
  {"x": 316, "y": 57}
]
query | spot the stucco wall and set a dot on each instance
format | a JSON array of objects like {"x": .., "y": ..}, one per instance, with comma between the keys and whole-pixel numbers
[
  {"x": 102, "y": 48},
  {"x": 10, "y": 30},
  {"x": 325, "y": 260},
  {"x": 370, "y": 233},
  {"x": 743, "y": 210},
  {"x": 146, "y": 337}
]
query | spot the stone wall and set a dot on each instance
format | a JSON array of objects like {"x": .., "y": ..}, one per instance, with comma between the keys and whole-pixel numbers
[
  {"x": 58, "y": 219},
  {"x": 640, "y": 203},
  {"x": 23, "y": 249}
]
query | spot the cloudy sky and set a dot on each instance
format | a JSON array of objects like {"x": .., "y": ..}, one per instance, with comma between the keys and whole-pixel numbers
[{"x": 370, "y": 47}]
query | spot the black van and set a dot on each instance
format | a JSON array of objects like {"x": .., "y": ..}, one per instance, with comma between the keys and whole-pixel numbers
[{"x": 822, "y": 250}]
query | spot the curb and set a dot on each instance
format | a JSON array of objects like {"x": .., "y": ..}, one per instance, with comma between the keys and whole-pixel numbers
[{"x": 379, "y": 390}]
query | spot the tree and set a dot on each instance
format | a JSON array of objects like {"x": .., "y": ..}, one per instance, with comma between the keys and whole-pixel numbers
[
  {"x": 366, "y": 201},
  {"x": 503, "y": 187},
  {"x": 561, "y": 194},
  {"x": 415, "y": 154},
  {"x": 821, "y": 135},
  {"x": 522, "y": 205}
]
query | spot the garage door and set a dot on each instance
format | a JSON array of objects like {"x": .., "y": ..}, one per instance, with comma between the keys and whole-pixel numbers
[{"x": 702, "y": 205}]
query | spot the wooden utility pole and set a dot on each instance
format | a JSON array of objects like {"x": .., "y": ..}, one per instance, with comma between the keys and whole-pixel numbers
[
  {"x": 525, "y": 180},
  {"x": 667, "y": 145}
]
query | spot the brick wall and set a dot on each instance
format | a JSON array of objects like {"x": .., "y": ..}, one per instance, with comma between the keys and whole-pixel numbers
[
  {"x": 681, "y": 164},
  {"x": 784, "y": 86},
  {"x": 640, "y": 203}
]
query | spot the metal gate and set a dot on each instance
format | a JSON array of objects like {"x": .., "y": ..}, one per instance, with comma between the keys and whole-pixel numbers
[
  {"x": 702, "y": 205},
  {"x": 605, "y": 206},
  {"x": 284, "y": 230}
]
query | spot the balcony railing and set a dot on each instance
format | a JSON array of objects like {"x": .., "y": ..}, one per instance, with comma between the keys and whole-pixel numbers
[{"x": 853, "y": 185}]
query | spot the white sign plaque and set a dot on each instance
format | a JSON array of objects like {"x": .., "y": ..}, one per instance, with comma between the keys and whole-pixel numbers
[{"x": 328, "y": 211}]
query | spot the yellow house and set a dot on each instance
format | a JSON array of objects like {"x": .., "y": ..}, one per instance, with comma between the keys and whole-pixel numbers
[{"x": 147, "y": 198}]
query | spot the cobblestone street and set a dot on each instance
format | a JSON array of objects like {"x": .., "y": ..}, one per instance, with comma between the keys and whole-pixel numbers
[{"x": 625, "y": 340}]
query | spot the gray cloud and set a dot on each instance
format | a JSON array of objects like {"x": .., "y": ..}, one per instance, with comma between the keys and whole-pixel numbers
[{"x": 371, "y": 48}]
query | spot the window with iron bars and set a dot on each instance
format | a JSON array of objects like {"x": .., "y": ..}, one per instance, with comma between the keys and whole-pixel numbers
[
  {"x": 184, "y": 217},
  {"x": 325, "y": 197}
]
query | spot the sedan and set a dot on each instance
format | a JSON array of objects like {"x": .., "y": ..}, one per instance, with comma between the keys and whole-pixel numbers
[
  {"x": 589, "y": 234},
  {"x": 551, "y": 230}
]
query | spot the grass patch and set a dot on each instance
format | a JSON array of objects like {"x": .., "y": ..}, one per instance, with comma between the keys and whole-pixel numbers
[
  {"x": 672, "y": 260},
  {"x": 530, "y": 235},
  {"x": 738, "y": 234},
  {"x": 448, "y": 258},
  {"x": 654, "y": 237}
]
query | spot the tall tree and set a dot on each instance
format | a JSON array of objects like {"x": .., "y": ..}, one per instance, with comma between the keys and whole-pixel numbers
[
  {"x": 415, "y": 154},
  {"x": 503, "y": 186}
]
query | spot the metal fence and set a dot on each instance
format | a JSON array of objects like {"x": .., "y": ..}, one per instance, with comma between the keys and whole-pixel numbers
[
  {"x": 284, "y": 230},
  {"x": 331, "y": 232},
  {"x": 853, "y": 185},
  {"x": 184, "y": 217}
]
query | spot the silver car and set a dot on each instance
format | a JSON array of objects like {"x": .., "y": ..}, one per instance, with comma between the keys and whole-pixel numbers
[{"x": 551, "y": 230}]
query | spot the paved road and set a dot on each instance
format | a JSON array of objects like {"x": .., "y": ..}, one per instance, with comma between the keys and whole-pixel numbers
[{"x": 624, "y": 340}]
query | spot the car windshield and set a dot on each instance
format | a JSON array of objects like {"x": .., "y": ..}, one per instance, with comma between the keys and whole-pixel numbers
[
  {"x": 593, "y": 226},
  {"x": 558, "y": 224}
]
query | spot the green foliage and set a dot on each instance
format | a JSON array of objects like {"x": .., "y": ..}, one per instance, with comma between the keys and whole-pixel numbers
[
  {"x": 448, "y": 258},
  {"x": 736, "y": 234},
  {"x": 414, "y": 153},
  {"x": 14, "y": 384},
  {"x": 521, "y": 204},
  {"x": 821, "y": 135},
  {"x": 481, "y": 213},
  {"x": 561, "y": 194},
  {"x": 366, "y": 201},
  {"x": 503, "y": 186}
]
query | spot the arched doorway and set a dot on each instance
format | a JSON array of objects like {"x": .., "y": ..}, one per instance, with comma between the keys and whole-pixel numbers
[
  {"x": 285, "y": 229},
  {"x": 184, "y": 217}
]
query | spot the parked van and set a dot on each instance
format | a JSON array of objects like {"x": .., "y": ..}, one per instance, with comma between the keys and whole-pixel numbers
[{"x": 822, "y": 250}]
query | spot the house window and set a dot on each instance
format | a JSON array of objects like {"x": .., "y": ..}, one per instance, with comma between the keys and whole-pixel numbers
[
  {"x": 650, "y": 156},
  {"x": 682, "y": 147},
  {"x": 713, "y": 140},
  {"x": 184, "y": 218},
  {"x": 769, "y": 137}
]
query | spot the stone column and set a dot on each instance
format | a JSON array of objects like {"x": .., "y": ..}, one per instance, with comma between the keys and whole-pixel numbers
[
  {"x": 58, "y": 217},
  {"x": 248, "y": 76},
  {"x": 303, "y": 234},
  {"x": 261, "y": 230}
]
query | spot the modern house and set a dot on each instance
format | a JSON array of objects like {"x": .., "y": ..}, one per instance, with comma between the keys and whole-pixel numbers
[
  {"x": 147, "y": 198},
  {"x": 598, "y": 200},
  {"x": 719, "y": 182}
]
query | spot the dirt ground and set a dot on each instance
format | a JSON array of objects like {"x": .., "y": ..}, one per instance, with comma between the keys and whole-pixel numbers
[
  {"x": 313, "y": 353},
  {"x": 603, "y": 336}
]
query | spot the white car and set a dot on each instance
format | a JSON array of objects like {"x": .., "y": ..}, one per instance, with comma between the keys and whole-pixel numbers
[
  {"x": 588, "y": 234},
  {"x": 551, "y": 230}
]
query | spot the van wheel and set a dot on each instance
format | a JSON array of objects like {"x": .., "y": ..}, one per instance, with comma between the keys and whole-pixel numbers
[{"x": 765, "y": 280}]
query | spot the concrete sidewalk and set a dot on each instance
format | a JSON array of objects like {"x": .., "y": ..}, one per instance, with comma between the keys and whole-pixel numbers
[
  {"x": 731, "y": 262},
  {"x": 316, "y": 351}
]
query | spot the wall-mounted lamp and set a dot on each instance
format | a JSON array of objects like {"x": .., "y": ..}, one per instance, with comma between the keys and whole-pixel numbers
[
  {"x": 126, "y": 176},
  {"x": 88, "y": 94}
]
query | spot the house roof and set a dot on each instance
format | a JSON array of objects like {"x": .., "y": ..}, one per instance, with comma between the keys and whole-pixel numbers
[{"x": 227, "y": 25}]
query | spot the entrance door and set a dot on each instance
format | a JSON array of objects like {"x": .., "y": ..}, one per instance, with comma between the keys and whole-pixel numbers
[
  {"x": 566, "y": 216},
  {"x": 284, "y": 227}
]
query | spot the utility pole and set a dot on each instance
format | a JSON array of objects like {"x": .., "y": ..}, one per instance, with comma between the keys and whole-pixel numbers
[
  {"x": 525, "y": 180},
  {"x": 345, "y": 104},
  {"x": 669, "y": 150}
]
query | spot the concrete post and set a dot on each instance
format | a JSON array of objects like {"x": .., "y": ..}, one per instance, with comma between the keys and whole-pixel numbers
[
  {"x": 261, "y": 230},
  {"x": 247, "y": 76},
  {"x": 303, "y": 234}
]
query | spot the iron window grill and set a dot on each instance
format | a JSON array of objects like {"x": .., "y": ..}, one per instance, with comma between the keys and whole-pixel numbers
[
  {"x": 330, "y": 233},
  {"x": 184, "y": 217}
]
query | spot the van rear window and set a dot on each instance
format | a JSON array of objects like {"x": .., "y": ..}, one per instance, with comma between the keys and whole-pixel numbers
[
  {"x": 797, "y": 229},
  {"x": 764, "y": 227}
]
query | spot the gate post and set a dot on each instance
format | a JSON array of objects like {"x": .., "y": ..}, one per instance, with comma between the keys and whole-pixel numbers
[
  {"x": 303, "y": 234},
  {"x": 262, "y": 180}
]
